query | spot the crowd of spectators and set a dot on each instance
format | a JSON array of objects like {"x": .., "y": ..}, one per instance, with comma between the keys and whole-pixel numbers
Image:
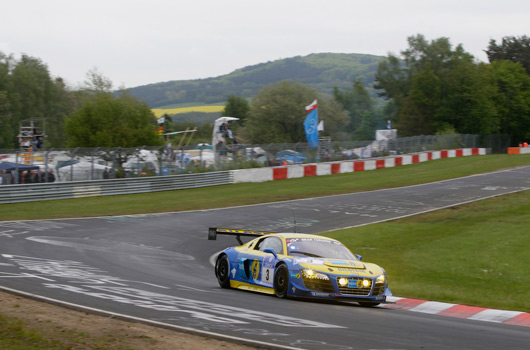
[{"x": 26, "y": 177}]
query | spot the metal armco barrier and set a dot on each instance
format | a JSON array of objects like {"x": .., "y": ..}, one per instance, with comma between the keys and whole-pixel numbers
[{"x": 78, "y": 189}]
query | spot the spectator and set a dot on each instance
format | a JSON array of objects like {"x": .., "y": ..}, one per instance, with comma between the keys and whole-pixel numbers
[
  {"x": 50, "y": 177},
  {"x": 22, "y": 178},
  {"x": 40, "y": 177},
  {"x": 29, "y": 177},
  {"x": 106, "y": 174},
  {"x": 7, "y": 178}
]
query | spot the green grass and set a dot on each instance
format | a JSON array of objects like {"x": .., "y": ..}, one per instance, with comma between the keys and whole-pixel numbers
[
  {"x": 15, "y": 335},
  {"x": 474, "y": 254},
  {"x": 251, "y": 193}
]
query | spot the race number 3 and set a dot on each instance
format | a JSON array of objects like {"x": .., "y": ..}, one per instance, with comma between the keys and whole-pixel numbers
[{"x": 267, "y": 275}]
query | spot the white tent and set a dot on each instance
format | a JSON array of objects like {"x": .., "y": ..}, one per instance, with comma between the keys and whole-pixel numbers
[{"x": 81, "y": 171}]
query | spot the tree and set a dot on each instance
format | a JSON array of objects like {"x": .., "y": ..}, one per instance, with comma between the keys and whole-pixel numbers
[
  {"x": 512, "y": 99},
  {"x": 97, "y": 83},
  {"x": 357, "y": 102},
  {"x": 107, "y": 121},
  {"x": 468, "y": 103},
  {"x": 237, "y": 107},
  {"x": 30, "y": 92},
  {"x": 515, "y": 49},
  {"x": 7, "y": 131},
  {"x": 278, "y": 112},
  {"x": 419, "y": 107},
  {"x": 435, "y": 87}
]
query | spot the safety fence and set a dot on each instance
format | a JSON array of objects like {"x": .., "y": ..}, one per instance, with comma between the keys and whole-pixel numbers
[
  {"x": 78, "y": 189},
  {"x": 83, "y": 164}
]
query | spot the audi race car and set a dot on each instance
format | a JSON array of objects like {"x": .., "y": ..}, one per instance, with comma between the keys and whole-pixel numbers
[{"x": 298, "y": 265}]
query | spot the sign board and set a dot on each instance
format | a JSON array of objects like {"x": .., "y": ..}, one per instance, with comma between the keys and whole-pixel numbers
[{"x": 385, "y": 134}]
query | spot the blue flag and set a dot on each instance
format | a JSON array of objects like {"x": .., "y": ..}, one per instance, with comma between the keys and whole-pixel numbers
[{"x": 311, "y": 128}]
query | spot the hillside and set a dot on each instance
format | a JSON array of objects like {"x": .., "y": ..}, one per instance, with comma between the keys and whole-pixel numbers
[{"x": 321, "y": 71}]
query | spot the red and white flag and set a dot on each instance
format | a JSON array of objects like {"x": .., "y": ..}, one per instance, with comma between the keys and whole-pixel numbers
[{"x": 312, "y": 106}]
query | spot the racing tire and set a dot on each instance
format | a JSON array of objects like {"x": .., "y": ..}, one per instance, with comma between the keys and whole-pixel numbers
[
  {"x": 281, "y": 281},
  {"x": 222, "y": 271},
  {"x": 368, "y": 303}
]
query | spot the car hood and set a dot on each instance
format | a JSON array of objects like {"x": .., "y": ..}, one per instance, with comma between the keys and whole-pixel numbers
[
  {"x": 344, "y": 263},
  {"x": 340, "y": 267}
]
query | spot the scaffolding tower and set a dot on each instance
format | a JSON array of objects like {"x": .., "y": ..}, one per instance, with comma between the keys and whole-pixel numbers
[{"x": 31, "y": 137}]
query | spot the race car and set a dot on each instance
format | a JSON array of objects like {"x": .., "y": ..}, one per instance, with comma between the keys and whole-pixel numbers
[{"x": 298, "y": 265}]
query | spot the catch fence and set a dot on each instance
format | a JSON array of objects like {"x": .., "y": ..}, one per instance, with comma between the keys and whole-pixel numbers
[{"x": 91, "y": 164}]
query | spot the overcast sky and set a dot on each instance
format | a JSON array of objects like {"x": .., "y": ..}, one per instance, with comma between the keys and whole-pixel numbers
[{"x": 138, "y": 42}]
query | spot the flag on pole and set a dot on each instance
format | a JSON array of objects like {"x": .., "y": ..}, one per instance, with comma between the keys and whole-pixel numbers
[
  {"x": 311, "y": 124},
  {"x": 312, "y": 106},
  {"x": 320, "y": 126},
  {"x": 161, "y": 120}
]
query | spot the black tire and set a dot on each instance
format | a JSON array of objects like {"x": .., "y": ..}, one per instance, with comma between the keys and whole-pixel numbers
[
  {"x": 281, "y": 281},
  {"x": 368, "y": 303},
  {"x": 222, "y": 271}
]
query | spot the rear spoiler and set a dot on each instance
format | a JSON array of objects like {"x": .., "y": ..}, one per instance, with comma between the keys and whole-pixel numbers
[{"x": 213, "y": 232}]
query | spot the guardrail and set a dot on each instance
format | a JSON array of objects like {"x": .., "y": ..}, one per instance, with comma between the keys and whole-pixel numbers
[{"x": 78, "y": 189}]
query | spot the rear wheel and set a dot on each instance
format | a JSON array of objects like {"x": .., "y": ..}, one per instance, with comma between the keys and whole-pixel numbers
[
  {"x": 281, "y": 281},
  {"x": 222, "y": 271}
]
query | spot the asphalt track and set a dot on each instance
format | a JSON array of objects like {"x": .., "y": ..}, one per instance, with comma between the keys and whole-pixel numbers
[{"x": 157, "y": 267}]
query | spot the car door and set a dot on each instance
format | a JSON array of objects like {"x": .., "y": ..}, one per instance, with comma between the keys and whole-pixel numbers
[{"x": 257, "y": 266}]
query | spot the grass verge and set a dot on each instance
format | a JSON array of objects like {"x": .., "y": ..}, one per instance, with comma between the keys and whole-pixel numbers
[
  {"x": 473, "y": 254},
  {"x": 251, "y": 193}
]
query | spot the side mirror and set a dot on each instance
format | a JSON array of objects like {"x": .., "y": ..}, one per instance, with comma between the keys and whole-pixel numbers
[
  {"x": 271, "y": 251},
  {"x": 359, "y": 257}
]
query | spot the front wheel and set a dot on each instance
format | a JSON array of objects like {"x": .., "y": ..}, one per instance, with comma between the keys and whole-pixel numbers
[
  {"x": 281, "y": 281},
  {"x": 222, "y": 271}
]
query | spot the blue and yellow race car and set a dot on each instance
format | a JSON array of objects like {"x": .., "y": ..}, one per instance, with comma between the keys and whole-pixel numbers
[{"x": 298, "y": 265}]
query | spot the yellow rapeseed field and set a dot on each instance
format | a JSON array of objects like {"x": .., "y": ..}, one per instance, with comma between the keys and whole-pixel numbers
[{"x": 207, "y": 109}]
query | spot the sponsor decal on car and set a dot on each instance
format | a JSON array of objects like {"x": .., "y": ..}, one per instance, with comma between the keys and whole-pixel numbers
[
  {"x": 343, "y": 269},
  {"x": 255, "y": 269}
]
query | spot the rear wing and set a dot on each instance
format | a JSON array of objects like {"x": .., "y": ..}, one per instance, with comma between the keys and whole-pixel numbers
[{"x": 213, "y": 232}]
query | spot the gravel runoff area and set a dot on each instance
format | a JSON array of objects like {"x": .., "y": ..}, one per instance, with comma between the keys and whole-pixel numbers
[{"x": 81, "y": 330}]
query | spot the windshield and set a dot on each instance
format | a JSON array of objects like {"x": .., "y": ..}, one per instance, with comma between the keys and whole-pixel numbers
[{"x": 318, "y": 248}]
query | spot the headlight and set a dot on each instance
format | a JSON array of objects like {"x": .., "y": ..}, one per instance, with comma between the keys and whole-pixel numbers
[
  {"x": 343, "y": 281},
  {"x": 381, "y": 279},
  {"x": 314, "y": 275},
  {"x": 366, "y": 283}
]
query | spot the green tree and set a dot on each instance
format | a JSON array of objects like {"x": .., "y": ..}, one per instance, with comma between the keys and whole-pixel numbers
[
  {"x": 435, "y": 87},
  {"x": 357, "y": 102},
  {"x": 7, "y": 129},
  {"x": 468, "y": 100},
  {"x": 7, "y": 123},
  {"x": 515, "y": 49},
  {"x": 237, "y": 107},
  {"x": 30, "y": 92},
  {"x": 512, "y": 99},
  {"x": 421, "y": 104},
  {"x": 108, "y": 121},
  {"x": 278, "y": 112}
]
